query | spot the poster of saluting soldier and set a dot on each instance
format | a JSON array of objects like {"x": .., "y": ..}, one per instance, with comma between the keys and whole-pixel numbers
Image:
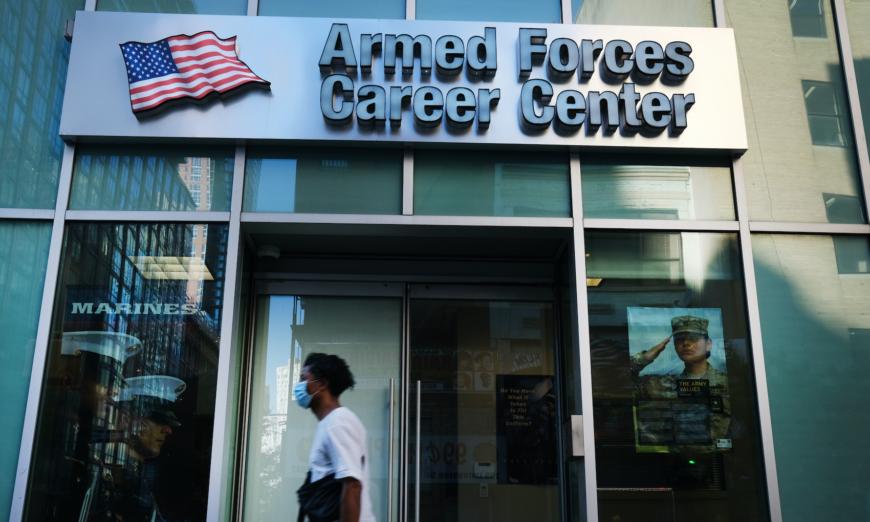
[{"x": 680, "y": 374}]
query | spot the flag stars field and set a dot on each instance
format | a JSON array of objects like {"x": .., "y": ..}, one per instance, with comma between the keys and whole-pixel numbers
[{"x": 183, "y": 67}]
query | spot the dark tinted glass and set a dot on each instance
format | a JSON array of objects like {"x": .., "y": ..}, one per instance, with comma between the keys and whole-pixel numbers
[
  {"x": 352, "y": 181},
  {"x": 486, "y": 183},
  {"x": 675, "y": 408},
  {"x": 125, "y": 423},
  {"x": 490, "y": 10},
  {"x": 236, "y": 7},
  {"x": 334, "y": 9}
]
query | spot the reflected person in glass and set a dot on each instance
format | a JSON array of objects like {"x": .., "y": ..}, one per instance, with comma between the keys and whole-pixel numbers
[
  {"x": 339, "y": 451},
  {"x": 124, "y": 488}
]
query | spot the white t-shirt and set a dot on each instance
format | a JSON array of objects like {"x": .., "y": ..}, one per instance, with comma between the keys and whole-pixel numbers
[{"x": 340, "y": 447}]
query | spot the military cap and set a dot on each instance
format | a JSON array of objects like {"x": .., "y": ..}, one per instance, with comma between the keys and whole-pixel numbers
[
  {"x": 153, "y": 408},
  {"x": 164, "y": 415},
  {"x": 689, "y": 324}
]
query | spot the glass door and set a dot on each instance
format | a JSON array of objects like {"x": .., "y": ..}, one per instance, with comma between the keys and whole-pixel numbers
[
  {"x": 363, "y": 325},
  {"x": 469, "y": 431},
  {"x": 482, "y": 423}
]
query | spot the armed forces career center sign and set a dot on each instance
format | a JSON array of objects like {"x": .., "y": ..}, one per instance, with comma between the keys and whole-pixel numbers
[{"x": 423, "y": 82}]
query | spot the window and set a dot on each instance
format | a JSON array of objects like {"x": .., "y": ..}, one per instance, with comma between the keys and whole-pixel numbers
[
  {"x": 656, "y": 191},
  {"x": 544, "y": 11},
  {"x": 390, "y": 9},
  {"x": 125, "y": 424},
  {"x": 824, "y": 112},
  {"x": 672, "y": 13},
  {"x": 31, "y": 96},
  {"x": 807, "y": 18},
  {"x": 852, "y": 254},
  {"x": 139, "y": 177},
  {"x": 814, "y": 326},
  {"x": 22, "y": 272},
  {"x": 229, "y": 7},
  {"x": 676, "y": 431},
  {"x": 843, "y": 209},
  {"x": 349, "y": 181},
  {"x": 460, "y": 183}
]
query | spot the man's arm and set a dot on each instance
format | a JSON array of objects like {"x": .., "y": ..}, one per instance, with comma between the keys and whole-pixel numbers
[{"x": 351, "y": 498}]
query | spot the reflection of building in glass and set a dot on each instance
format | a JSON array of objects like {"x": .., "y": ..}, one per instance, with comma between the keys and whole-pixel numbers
[
  {"x": 151, "y": 6},
  {"x": 274, "y": 427},
  {"x": 104, "y": 292},
  {"x": 282, "y": 388},
  {"x": 136, "y": 178},
  {"x": 33, "y": 62}
]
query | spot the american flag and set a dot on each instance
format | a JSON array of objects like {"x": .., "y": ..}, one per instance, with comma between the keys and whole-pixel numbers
[{"x": 183, "y": 66}]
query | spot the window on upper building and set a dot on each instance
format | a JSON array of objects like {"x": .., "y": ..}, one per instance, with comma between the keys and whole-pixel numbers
[
  {"x": 843, "y": 209},
  {"x": 824, "y": 113},
  {"x": 852, "y": 254},
  {"x": 807, "y": 18}
]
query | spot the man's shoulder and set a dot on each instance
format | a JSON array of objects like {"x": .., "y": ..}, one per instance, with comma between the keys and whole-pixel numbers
[{"x": 343, "y": 417}]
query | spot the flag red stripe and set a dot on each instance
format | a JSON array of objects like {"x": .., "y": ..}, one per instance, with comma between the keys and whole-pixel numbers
[
  {"x": 198, "y": 45},
  {"x": 192, "y": 77},
  {"x": 228, "y": 62},
  {"x": 215, "y": 85},
  {"x": 177, "y": 95},
  {"x": 200, "y": 57}
]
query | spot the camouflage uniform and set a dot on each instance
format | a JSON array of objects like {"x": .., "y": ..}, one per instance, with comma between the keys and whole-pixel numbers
[{"x": 682, "y": 411}]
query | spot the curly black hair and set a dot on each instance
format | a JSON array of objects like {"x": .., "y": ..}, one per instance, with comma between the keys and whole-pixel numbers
[{"x": 332, "y": 369}]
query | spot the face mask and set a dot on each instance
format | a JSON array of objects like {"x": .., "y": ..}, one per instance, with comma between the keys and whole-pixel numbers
[{"x": 300, "y": 392}]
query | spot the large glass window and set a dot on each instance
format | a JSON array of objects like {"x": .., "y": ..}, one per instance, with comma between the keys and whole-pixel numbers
[
  {"x": 22, "y": 272},
  {"x": 152, "y": 178},
  {"x": 462, "y": 183},
  {"x": 799, "y": 130},
  {"x": 352, "y": 181},
  {"x": 650, "y": 191},
  {"x": 228, "y": 7},
  {"x": 33, "y": 58},
  {"x": 334, "y": 9},
  {"x": 815, "y": 321},
  {"x": 858, "y": 13},
  {"x": 364, "y": 331},
  {"x": 544, "y": 11},
  {"x": 674, "y": 13},
  {"x": 125, "y": 424},
  {"x": 676, "y": 430}
]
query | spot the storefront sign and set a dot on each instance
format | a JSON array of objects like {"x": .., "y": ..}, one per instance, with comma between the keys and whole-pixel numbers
[{"x": 428, "y": 82}]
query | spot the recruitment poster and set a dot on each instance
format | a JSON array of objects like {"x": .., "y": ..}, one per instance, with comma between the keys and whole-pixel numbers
[
  {"x": 679, "y": 369},
  {"x": 526, "y": 417}
]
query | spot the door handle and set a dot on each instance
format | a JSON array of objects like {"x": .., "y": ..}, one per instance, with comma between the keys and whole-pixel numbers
[
  {"x": 391, "y": 452},
  {"x": 419, "y": 462}
]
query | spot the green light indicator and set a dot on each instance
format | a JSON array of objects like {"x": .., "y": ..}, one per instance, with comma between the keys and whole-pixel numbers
[{"x": 692, "y": 462}]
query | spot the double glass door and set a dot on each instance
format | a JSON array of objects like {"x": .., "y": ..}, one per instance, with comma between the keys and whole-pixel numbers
[{"x": 456, "y": 387}]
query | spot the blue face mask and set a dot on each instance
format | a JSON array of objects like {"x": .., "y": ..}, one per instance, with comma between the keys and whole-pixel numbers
[{"x": 300, "y": 392}]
